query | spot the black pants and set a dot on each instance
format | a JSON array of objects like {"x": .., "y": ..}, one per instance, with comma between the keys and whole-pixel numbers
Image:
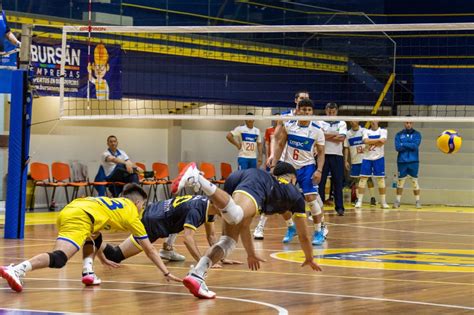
[
  {"x": 120, "y": 174},
  {"x": 335, "y": 165}
]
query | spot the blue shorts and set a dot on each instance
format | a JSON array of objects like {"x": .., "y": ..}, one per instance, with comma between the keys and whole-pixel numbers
[
  {"x": 374, "y": 168},
  {"x": 245, "y": 163},
  {"x": 410, "y": 169},
  {"x": 304, "y": 177},
  {"x": 355, "y": 170}
]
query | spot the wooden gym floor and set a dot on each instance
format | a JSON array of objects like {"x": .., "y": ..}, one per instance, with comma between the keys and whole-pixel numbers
[{"x": 391, "y": 262}]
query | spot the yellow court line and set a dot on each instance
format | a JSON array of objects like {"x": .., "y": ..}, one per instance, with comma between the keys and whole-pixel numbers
[{"x": 444, "y": 66}]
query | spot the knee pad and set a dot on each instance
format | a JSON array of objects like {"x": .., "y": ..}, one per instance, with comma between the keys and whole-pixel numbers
[
  {"x": 227, "y": 244},
  {"x": 97, "y": 242},
  {"x": 320, "y": 202},
  {"x": 401, "y": 182},
  {"x": 57, "y": 259},
  {"x": 362, "y": 182},
  {"x": 415, "y": 184},
  {"x": 380, "y": 182},
  {"x": 314, "y": 207},
  {"x": 232, "y": 213},
  {"x": 113, "y": 253}
]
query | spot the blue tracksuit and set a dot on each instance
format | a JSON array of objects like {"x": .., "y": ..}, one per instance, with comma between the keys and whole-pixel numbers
[{"x": 407, "y": 144}]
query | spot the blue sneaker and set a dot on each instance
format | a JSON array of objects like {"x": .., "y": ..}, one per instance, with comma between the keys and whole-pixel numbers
[
  {"x": 290, "y": 234},
  {"x": 318, "y": 238}
]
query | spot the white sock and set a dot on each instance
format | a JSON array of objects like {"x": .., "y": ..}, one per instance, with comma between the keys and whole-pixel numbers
[
  {"x": 289, "y": 222},
  {"x": 203, "y": 266},
  {"x": 23, "y": 267},
  {"x": 372, "y": 192},
  {"x": 317, "y": 227},
  {"x": 207, "y": 187},
  {"x": 87, "y": 265},
  {"x": 417, "y": 197},
  {"x": 399, "y": 198},
  {"x": 360, "y": 198},
  {"x": 171, "y": 239},
  {"x": 263, "y": 220},
  {"x": 382, "y": 199}
]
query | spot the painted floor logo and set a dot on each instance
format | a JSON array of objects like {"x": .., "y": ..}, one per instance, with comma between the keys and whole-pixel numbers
[{"x": 441, "y": 260}]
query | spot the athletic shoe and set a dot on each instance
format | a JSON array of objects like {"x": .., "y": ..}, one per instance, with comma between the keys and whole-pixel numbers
[
  {"x": 325, "y": 230},
  {"x": 373, "y": 202},
  {"x": 258, "y": 233},
  {"x": 90, "y": 279},
  {"x": 188, "y": 177},
  {"x": 418, "y": 204},
  {"x": 340, "y": 212},
  {"x": 171, "y": 255},
  {"x": 358, "y": 204},
  {"x": 318, "y": 238},
  {"x": 13, "y": 278},
  {"x": 290, "y": 234},
  {"x": 396, "y": 205},
  {"x": 198, "y": 287},
  {"x": 385, "y": 206}
]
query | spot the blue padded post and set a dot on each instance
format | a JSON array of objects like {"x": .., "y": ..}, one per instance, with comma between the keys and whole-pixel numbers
[{"x": 18, "y": 151}]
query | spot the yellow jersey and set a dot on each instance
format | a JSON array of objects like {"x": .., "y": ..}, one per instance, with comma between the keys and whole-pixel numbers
[{"x": 115, "y": 213}]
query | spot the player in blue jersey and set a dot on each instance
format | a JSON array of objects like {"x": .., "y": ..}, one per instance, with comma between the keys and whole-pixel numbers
[
  {"x": 246, "y": 193},
  {"x": 5, "y": 32},
  {"x": 298, "y": 143},
  {"x": 164, "y": 218}
]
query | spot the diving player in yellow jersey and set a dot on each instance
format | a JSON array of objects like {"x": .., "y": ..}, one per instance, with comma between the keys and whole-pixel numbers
[{"x": 83, "y": 219}]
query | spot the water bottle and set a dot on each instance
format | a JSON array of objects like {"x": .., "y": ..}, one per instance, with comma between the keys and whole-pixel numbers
[{"x": 394, "y": 181}]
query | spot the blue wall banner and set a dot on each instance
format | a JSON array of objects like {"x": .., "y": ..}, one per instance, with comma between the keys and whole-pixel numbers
[{"x": 100, "y": 72}]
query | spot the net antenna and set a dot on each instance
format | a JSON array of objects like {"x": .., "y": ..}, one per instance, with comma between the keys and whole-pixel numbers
[{"x": 217, "y": 76}]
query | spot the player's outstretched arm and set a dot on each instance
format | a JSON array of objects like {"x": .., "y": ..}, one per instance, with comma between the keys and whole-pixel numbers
[
  {"x": 246, "y": 236},
  {"x": 152, "y": 253},
  {"x": 191, "y": 244},
  {"x": 305, "y": 242},
  {"x": 278, "y": 144}
]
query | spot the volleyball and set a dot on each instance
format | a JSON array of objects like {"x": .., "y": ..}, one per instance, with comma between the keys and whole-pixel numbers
[{"x": 449, "y": 141}]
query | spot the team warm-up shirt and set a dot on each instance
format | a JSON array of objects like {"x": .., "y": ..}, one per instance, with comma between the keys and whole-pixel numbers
[
  {"x": 173, "y": 215},
  {"x": 300, "y": 143},
  {"x": 374, "y": 152},
  {"x": 249, "y": 139},
  {"x": 355, "y": 144},
  {"x": 112, "y": 213},
  {"x": 110, "y": 166},
  {"x": 333, "y": 127}
]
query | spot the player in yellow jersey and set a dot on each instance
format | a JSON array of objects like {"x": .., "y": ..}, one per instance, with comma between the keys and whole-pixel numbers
[{"x": 83, "y": 219}]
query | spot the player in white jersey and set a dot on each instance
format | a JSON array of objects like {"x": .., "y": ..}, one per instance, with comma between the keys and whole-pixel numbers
[
  {"x": 246, "y": 138},
  {"x": 373, "y": 163},
  {"x": 302, "y": 139},
  {"x": 354, "y": 149},
  {"x": 291, "y": 232}
]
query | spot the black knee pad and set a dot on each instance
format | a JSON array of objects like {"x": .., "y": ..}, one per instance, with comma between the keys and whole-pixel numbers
[
  {"x": 113, "y": 253},
  {"x": 57, "y": 259}
]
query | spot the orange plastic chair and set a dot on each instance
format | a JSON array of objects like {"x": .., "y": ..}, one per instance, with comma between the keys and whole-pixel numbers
[
  {"x": 209, "y": 171},
  {"x": 61, "y": 174},
  {"x": 226, "y": 170},
  {"x": 40, "y": 174},
  {"x": 162, "y": 177},
  {"x": 181, "y": 165},
  {"x": 144, "y": 181}
]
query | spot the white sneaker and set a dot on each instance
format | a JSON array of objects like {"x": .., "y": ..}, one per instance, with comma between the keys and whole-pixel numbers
[
  {"x": 358, "y": 204},
  {"x": 198, "y": 287},
  {"x": 90, "y": 279},
  {"x": 396, "y": 205},
  {"x": 13, "y": 278},
  {"x": 188, "y": 177},
  {"x": 418, "y": 204},
  {"x": 171, "y": 255},
  {"x": 325, "y": 230},
  {"x": 258, "y": 233},
  {"x": 385, "y": 206}
]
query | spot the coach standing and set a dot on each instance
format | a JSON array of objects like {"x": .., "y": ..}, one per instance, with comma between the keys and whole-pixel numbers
[{"x": 335, "y": 134}]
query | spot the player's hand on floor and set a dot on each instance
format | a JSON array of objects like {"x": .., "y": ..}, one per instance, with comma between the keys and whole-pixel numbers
[
  {"x": 108, "y": 263},
  {"x": 254, "y": 262},
  {"x": 171, "y": 277},
  {"x": 231, "y": 262},
  {"x": 312, "y": 264},
  {"x": 216, "y": 266}
]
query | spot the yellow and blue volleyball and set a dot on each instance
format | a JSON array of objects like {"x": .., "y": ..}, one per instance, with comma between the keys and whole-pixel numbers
[{"x": 449, "y": 141}]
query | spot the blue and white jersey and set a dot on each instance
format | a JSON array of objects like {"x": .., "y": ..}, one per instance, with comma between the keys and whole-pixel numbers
[
  {"x": 355, "y": 144},
  {"x": 108, "y": 165},
  {"x": 249, "y": 139},
  {"x": 374, "y": 152},
  {"x": 300, "y": 143}
]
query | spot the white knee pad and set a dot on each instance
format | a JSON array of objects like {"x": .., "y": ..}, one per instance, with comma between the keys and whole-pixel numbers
[
  {"x": 314, "y": 207},
  {"x": 320, "y": 202},
  {"x": 232, "y": 213},
  {"x": 401, "y": 183},
  {"x": 362, "y": 182},
  {"x": 415, "y": 184},
  {"x": 227, "y": 244},
  {"x": 380, "y": 182}
]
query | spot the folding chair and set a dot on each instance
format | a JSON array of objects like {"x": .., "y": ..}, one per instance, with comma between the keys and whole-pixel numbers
[
  {"x": 209, "y": 171},
  {"x": 162, "y": 177},
  {"x": 40, "y": 174},
  {"x": 61, "y": 174},
  {"x": 226, "y": 170}
]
